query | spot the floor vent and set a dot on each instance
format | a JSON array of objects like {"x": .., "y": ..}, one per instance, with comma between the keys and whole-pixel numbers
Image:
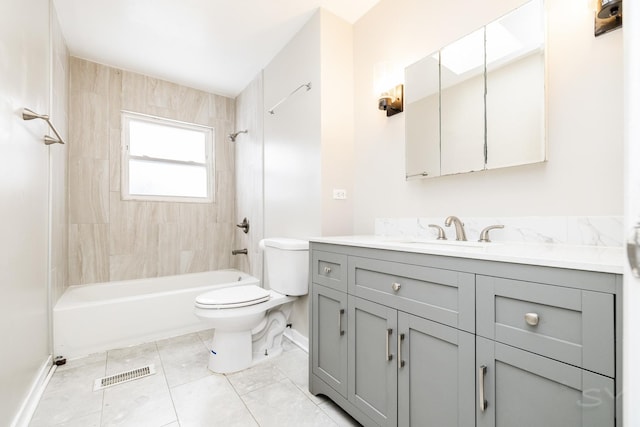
[{"x": 123, "y": 377}]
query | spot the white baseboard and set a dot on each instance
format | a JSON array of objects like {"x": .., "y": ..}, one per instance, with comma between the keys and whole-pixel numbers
[
  {"x": 30, "y": 403},
  {"x": 297, "y": 338}
]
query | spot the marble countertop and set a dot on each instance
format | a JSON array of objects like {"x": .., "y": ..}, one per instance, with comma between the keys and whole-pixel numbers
[{"x": 591, "y": 258}]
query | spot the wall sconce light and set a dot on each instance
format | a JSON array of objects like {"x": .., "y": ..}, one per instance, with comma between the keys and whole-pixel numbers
[
  {"x": 608, "y": 16},
  {"x": 392, "y": 101}
]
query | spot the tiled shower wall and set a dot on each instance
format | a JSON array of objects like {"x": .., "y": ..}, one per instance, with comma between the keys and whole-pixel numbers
[
  {"x": 249, "y": 173},
  {"x": 111, "y": 239}
]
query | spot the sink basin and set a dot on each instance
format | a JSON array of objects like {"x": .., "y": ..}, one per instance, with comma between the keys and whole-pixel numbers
[
  {"x": 444, "y": 243},
  {"x": 461, "y": 243}
]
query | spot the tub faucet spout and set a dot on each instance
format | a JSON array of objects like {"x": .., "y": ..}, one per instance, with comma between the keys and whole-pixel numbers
[
  {"x": 239, "y": 251},
  {"x": 460, "y": 234}
]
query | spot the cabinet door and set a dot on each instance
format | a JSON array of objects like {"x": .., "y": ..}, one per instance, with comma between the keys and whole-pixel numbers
[
  {"x": 436, "y": 381},
  {"x": 524, "y": 389},
  {"x": 373, "y": 384},
  {"x": 329, "y": 337}
]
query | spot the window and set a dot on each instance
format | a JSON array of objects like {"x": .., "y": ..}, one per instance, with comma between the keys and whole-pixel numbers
[{"x": 166, "y": 160}]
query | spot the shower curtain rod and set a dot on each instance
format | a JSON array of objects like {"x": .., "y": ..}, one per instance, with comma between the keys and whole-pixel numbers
[{"x": 272, "y": 109}]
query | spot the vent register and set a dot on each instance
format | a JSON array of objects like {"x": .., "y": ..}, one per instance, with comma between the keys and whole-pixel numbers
[{"x": 123, "y": 377}]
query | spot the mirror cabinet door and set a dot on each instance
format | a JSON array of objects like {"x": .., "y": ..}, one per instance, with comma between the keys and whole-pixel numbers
[
  {"x": 462, "y": 104},
  {"x": 422, "y": 109},
  {"x": 515, "y": 88},
  {"x": 479, "y": 103}
]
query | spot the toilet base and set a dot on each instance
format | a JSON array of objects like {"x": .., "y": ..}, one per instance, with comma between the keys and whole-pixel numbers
[
  {"x": 239, "y": 350},
  {"x": 230, "y": 351}
]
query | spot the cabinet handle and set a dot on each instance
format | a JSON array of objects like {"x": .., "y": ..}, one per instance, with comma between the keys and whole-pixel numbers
[
  {"x": 327, "y": 270},
  {"x": 532, "y": 319},
  {"x": 400, "y": 361},
  {"x": 481, "y": 373},
  {"x": 340, "y": 313},
  {"x": 396, "y": 286},
  {"x": 387, "y": 338}
]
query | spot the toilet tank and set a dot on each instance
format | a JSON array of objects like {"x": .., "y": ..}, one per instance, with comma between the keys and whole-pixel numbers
[{"x": 287, "y": 262}]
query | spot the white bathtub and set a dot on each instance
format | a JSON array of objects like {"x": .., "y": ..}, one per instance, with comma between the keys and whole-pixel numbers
[{"x": 104, "y": 316}]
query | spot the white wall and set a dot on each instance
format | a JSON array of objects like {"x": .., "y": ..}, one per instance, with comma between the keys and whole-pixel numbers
[
  {"x": 308, "y": 142},
  {"x": 24, "y": 190},
  {"x": 631, "y": 315},
  {"x": 59, "y": 112},
  {"x": 583, "y": 175},
  {"x": 292, "y": 159},
  {"x": 337, "y": 78},
  {"x": 292, "y": 152}
]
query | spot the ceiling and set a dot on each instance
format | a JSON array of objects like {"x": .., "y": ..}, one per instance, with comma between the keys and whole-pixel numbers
[{"x": 214, "y": 45}]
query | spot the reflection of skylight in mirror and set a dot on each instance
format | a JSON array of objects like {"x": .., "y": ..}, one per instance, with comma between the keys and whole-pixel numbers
[
  {"x": 512, "y": 36},
  {"x": 500, "y": 42},
  {"x": 465, "y": 54}
]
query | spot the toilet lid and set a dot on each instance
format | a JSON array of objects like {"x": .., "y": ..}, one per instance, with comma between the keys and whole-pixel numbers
[{"x": 233, "y": 296}]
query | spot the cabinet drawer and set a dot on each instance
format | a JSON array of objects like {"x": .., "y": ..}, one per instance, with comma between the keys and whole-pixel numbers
[
  {"x": 443, "y": 296},
  {"x": 330, "y": 269},
  {"x": 570, "y": 325}
]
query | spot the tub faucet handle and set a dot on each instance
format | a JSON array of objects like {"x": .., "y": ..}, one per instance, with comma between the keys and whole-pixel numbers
[{"x": 244, "y": 225}]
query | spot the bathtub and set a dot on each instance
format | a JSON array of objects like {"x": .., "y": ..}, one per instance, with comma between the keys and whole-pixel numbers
[{"x": 103, "y": 316}]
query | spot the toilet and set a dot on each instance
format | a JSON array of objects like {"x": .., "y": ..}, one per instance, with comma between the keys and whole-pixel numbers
[{"x": 249, "y": 320}]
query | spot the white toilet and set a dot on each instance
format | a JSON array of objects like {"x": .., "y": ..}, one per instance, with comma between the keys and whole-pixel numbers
[{"x": 249, "y": 320}]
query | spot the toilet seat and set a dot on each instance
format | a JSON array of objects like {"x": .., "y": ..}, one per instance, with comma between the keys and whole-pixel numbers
[{"x": 233, "y": 297}]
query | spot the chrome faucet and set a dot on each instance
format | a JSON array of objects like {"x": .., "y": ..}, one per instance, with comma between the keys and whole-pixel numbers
[
  {"x": 460, "y": 234},
  {"x": 484, "y": 235},
  {"x": 441, "y": 235}
]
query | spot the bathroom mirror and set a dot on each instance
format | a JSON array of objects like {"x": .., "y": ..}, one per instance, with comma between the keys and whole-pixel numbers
[
  {"x": 424, "y": 116},
  {"x": 479, "y": 102},
  {"x": 462, "y": 105}
]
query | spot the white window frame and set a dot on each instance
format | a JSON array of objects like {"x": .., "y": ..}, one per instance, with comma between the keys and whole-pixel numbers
[{"x": 126, "y": 118}]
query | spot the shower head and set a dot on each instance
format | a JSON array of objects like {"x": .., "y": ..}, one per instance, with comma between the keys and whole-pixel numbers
[{"x": 233, "y": 136}]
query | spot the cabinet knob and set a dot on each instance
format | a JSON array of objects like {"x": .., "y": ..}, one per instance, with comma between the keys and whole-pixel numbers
[
  {"x": 396, "y": 286},
  {"x": 327, "y": 270},
  {"x": 532, "y": 319}
]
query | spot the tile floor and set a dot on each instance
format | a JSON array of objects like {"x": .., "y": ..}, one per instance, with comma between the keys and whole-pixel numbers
[{"x": 184, "y": 392}]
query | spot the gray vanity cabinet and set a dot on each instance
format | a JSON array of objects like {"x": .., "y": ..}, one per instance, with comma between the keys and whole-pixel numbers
[
  {"x": 520, "y": 388},
  {"x": 545, "y": 355},
  {"x": 329, "y": 329},
  {"x": 436, "y": 383},
  {"x": 408, "y": 371},
  {"x": 373, "y": 386},
  {"x": 329, "y": 319},
  {"x": 408, "y": 339}
]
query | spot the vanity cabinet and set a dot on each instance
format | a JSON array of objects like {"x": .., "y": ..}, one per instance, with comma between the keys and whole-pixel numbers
[
  {"x": 404, "y": 370},
  {"x": 521, "y": 388},
  {"x": 373, "y": 378},
  {"x": 435, "y": 374},
  {"x": 329, "y": 354},
  {"x": 545, "y": 355},
  {"x": 410, "y": 339},
  {"x": 328, "y": 322}
]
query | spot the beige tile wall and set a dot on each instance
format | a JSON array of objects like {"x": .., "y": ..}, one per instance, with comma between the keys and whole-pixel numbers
[
  {"x": 249, "y": 172},
  {"x": 111, "y": 239}
]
